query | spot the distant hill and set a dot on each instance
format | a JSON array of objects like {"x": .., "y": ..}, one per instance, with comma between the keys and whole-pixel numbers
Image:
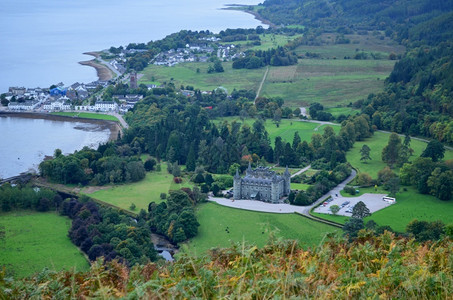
[{"x": 418, "y": 96}]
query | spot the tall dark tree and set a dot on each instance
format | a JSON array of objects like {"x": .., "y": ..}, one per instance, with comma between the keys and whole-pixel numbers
[
  {"x": 365, "y": 153},
  {"x": 360, "y": 211},
  {"x": 435, "y": 150}
]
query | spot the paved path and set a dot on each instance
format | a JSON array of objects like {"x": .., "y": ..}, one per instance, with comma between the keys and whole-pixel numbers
[
  {"x": 120, "y": 118},
  {"x": 260, "y": 206},
  {"x": 301, "y": 171},
  {"x": 261, "y": 84}
]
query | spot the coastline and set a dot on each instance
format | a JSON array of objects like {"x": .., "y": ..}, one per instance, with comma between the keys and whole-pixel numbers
[
  {"x": 113, "y": 126},
  {"x": 243, "y": 8},
  {"x": 103, "y": 72}
]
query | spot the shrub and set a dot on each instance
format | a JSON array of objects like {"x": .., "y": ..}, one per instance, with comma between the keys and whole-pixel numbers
[{"x": 177, "y": 179}]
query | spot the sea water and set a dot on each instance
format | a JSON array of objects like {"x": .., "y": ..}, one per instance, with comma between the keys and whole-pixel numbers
[
  {"x": 25, "y": 142},
  {"x": 43, "y": 41}
]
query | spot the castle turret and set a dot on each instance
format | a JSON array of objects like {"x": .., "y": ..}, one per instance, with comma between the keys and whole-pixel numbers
[
  {"x": 249, "y": 169},
  {"x": 275, "y": 197},
  {"x": 287, "y": 178},
  {"x": 237, "y": 186}
]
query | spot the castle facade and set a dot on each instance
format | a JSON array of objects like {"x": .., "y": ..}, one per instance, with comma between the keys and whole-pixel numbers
[{"x": 262, "y": 184}]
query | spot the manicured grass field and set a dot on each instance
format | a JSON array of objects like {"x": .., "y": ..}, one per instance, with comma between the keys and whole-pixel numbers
[
  {"x": 376, "y": 143},
  {"x": 286, "y": 129},
  {"x": 409, "y": 205},
  {"x": 34, "y": 241},
  {"x": 299, "y": 186},
  {"x": 87, "y": 115},
  {"x": 140, "y": 193},
  {"x": 336, "y": 111},
  {"x": 251, "y": 227},
  {"x": 330, "y": 82},
  {"x": 186, "y": 74}
]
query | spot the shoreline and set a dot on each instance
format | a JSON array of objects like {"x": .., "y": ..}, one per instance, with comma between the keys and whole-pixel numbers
[
  {"x": 240, "y": 7},
  {"x": 113, "y": 126},
  {"x": 103, "y": 72}
]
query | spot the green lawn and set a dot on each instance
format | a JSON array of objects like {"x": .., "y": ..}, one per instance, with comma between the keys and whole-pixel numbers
[
  {"x": 140, "y": 193},
  {"x": 409, "y": 205},
  {"x": 35, "y": 241},
  {"x": 252, "y": 227},
  {"x": 299, "y": 186},
  {"x": 328, "y": 81},
  {"x": 186, "y": 74},
  {"x": 87, "y": 115},
  {"x": 376, "y": 143},
  {"x": 286, "y": 129},
  {"x": 336, "y": 111}
]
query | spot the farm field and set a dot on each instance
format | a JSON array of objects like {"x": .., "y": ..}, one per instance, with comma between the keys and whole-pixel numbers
[
  {"x": 34, "y": 241},
  {"x": 409, "y": 205},
  {"x": 215, "y": 219},
  {"x": 327, "y": 81},
  {"x": 186, "y": 74},
  {"x": 358, "y": 43},
  {"x": 268, "y": 41},
  {"x": 376, "y": 143},
  {"x": 140, "y": 193},
  {"x": 286, "y": 129},
  {"x": 87, "y": 115}
]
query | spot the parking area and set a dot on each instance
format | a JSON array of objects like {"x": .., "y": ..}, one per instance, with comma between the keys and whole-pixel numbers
[{"x": 374, "y": 203}]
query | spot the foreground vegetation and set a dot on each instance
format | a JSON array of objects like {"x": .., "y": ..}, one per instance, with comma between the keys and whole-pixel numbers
[
  {"x": 37, "y": 240},
  {"x": 382, "y": 266}
]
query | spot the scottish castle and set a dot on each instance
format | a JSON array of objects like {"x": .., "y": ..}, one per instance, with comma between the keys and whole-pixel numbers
[{"x": 262, "y": 184}]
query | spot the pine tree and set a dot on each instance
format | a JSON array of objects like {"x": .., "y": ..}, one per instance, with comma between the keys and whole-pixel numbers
[{"x": 365, "y": 153}]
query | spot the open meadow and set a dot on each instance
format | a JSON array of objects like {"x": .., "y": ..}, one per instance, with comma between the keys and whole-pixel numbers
[
  {"x": 221, "y": 226},
  {"x": 139, "y": 193},
  {"x": 34, "y": 241},
  {"x": 376, "y": 143},
  {"x": 87, "y": 115}
]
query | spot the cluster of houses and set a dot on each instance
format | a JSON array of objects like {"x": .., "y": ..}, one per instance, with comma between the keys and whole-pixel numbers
[
  {"x": 194, "y": 53},
  {"x": 62, "y": 98}
]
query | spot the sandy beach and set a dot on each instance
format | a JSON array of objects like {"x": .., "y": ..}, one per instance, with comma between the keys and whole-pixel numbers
[{"x": 102, "y": 71}]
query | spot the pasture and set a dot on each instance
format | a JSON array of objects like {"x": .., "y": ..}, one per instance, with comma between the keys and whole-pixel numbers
[
  {"x": 221, "y": 226},
  {"x": 328, "y": 81},
  {"x": 140, "y": 193},
  {"x": 34, "y": 241},
  {"x": 87, "y": 115},
  {"x": 358, "y": 43}
]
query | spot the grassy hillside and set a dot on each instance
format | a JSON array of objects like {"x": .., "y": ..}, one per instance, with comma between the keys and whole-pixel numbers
[
  {"x": 34, "y": 241},
  {"x": 251, "y": 227}
]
